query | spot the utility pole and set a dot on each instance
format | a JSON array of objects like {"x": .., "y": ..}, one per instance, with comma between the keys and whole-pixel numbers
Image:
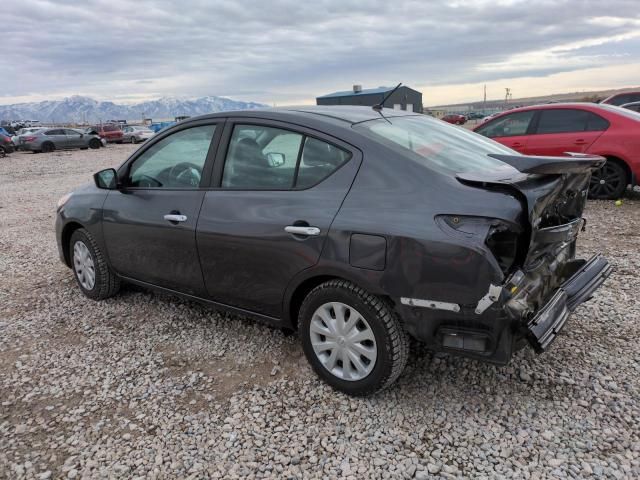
[
  {"x": 507, "y": 95},
  {"x": 484, "y": 101}
]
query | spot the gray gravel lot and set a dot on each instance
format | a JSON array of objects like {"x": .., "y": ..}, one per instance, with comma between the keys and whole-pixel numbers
[{"x": 147, "y": 385}]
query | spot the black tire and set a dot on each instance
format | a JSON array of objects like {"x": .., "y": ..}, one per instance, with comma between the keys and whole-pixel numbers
[
  {"x": 48, "y": 147},
  {"x": 133, "y": 140},
  {"x": 94, "y": 143},
  {"x": 608, "y": 182},
  {"x": 106, "y": 283},
  {"x": 3, "y": 153},
  {"x": 392, "y": 342}
]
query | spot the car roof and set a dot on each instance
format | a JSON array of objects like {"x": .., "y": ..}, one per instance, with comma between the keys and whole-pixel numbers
[{"x": 347, "y": 115}]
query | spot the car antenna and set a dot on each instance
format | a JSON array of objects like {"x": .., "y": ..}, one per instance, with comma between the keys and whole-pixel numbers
[{"x": 378, "y": 107}]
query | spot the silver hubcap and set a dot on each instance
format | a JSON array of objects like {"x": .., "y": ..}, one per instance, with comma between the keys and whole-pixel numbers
[
  {"x": 343, "y": 341},
  {"x": 83, "y": 265}
]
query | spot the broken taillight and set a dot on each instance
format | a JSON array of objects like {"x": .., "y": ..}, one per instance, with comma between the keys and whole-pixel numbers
[{"x": 501, "y": 238}]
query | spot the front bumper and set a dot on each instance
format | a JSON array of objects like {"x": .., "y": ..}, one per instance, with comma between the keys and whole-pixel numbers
[{"x": 547, "y": 323}]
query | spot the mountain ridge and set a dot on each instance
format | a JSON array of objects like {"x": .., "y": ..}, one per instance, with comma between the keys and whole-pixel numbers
[{"x": 78, "y": 109}]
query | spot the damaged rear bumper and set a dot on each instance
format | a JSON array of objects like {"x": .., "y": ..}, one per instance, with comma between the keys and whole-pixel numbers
[{"x": 547, "y": 323}]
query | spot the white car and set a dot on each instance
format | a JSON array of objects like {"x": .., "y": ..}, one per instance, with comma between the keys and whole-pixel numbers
[{"x": 136, "y": 133}]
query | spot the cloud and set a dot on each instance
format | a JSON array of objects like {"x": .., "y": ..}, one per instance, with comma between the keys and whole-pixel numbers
[{"x": 286, "y": 51}]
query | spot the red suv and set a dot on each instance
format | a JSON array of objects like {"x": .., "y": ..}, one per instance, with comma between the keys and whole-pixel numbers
[
  {"x": 555, "y": 129},
  {"x": 455, "y": 118},
  {"x": 111, "y": 133}
]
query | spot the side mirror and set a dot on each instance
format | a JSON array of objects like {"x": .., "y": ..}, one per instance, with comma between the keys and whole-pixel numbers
[
  {"x": 106, "y": 179},
  {"x": 275, "y": 159}
]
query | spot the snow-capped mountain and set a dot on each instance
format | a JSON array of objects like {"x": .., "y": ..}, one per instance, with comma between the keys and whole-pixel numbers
[{"x": 85, "y": 109}]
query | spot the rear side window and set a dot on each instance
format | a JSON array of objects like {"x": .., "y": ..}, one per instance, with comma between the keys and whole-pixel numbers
[
  {"x": 509, "y": 125},
  {"x": 54, "y": 132},
  {"x": 268, "y": 158},
  {"x": 110, "y": 128},
  {"x": 562, "y": 121}
]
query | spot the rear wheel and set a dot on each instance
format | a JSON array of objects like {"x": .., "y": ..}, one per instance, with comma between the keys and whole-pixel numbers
[
  {"x": 133, "y": 139},
  {"x": 3, "y": 153},
  {"x": 608, "y": 182},
  {"x": 352, "y": 339},
  {"x": 94, "y": 143},
  {"x": 94, "y": 277},
  {"x": 48, "y": 147}
]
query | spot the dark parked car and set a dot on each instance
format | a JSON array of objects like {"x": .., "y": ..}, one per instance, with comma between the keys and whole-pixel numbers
[
  {"x": 354, "y": 229},
  {"x": 605, "y": 130},
  {"x": 622, "y": 98},
  {"x": 455, "y": 118},
  {"x": 633, "y": 106},
  {"x": 6, "y": 145},
  {"x": 50, "y": 139}
]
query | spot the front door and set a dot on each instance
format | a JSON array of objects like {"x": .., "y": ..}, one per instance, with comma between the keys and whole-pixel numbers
[
  {"x": 149, "y": 224},
  {"x": 565, "y": 130},
  {"x": 279, "y": 190},
  {"x": 511, "y": 130},
  {"x": 75, "y": 139}
]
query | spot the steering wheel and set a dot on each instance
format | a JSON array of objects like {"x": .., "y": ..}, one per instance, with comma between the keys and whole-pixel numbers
[{"x": 186, "y": 173}]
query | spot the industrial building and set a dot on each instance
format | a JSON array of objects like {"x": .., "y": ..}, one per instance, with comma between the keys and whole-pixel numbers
[{"x": 404, "y": 98}]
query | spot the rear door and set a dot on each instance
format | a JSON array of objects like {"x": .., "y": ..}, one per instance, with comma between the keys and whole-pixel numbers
[
  {"x": 149, "y": 224},
  {"x": 561, "y": 130},
  {"x": 511, "y": 130},
  {"x": 277, "y": 189}
]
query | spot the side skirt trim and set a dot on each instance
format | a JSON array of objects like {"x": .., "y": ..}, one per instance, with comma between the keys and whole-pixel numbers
[{"x": 274, "y": 321}]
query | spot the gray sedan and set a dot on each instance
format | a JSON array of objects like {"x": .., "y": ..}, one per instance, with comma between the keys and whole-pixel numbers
[
  {"x": 136, "y": 133},
  {"x": 48, "y": 140}
]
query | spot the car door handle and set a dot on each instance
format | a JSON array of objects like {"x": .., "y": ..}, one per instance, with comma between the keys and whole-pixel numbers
[
  {"x": 516, "y": 144},
  {"x": 172, "y": 217},
  {"x": 580, "y": 141},
  {"x": 299, "y": 230}
]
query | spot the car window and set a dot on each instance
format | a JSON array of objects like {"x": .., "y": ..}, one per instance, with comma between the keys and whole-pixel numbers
[
  {"x": 595, "y": 123},
  {"x": 562, "y": 121},
  {"x": 319, "y": 160},
  {"x": 509, "y": 125},
  {"x": 175, "y": 161},
  {"x": 54, "y": 132},
  {"x": 261, "y": 157},
  {"x": 437, "y": 144},
  {"x": 71, "y": 132}
]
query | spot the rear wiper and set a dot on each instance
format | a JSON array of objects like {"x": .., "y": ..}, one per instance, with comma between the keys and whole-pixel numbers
[{"x": 378, "y": 107}]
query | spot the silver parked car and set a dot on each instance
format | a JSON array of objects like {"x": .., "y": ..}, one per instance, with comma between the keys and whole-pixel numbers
[
  {"x": 136, "y": 133},
  {"x": 18, "y": 138},
  {"x": 48, "y": 140}
]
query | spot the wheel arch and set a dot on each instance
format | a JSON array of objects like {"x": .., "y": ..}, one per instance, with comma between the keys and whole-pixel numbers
[
  {"x": 624, "y": 164},
  {"x": 65, "y": 238},
  {"x": 300, "y": 288}
]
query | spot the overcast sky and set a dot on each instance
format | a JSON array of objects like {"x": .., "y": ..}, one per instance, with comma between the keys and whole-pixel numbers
[{"x": 289, "y": 51}]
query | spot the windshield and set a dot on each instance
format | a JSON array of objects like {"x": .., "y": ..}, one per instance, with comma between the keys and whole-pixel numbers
[{"x": 437, "y": 144}]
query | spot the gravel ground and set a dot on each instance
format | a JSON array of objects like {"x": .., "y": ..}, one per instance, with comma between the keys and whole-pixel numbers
[{"x": 146, "y": 385}]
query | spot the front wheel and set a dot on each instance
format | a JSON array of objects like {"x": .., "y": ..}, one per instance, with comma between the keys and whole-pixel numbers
[
  {"x": 133, "y": 140},
  {"x": 352, "y": 339},
  {"x": 94, "y": 277},
  {"x": 608, "y": 182},
  {"x": 94, "y": 143}
]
